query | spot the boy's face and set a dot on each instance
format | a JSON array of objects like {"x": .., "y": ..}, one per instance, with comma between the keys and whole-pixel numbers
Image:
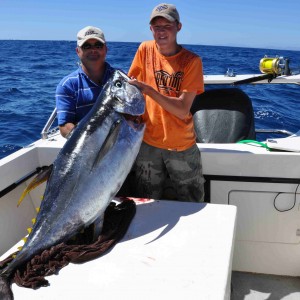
[{"x": 164, "y": 31}]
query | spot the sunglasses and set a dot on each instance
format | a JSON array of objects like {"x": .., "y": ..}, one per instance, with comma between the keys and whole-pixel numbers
[{"x": 87, "y": 46}]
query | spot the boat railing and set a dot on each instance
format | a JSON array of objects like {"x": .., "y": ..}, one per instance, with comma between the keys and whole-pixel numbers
[
  {"x": 46, "y": 130},
  {"x": 274, "y": 131}
]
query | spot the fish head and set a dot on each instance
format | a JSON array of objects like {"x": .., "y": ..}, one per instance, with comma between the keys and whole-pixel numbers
[{"x": 128, "y": 100}]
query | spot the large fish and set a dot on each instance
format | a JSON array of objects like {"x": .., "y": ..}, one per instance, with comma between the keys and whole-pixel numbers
[{"x": 88, "y": 171}]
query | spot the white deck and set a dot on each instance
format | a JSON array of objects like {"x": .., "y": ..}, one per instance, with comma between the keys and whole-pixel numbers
[{"x": 172, "y": 250}]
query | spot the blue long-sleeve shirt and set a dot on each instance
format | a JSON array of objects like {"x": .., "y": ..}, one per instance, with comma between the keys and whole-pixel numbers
[{"x": 76, "y": 94}]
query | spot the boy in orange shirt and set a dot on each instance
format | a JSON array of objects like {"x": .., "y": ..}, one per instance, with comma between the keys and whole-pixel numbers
[{"x": 170, "y": 77}]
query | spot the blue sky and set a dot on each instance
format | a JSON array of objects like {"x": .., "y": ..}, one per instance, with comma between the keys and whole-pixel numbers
[{"x": 270, "y": 24}]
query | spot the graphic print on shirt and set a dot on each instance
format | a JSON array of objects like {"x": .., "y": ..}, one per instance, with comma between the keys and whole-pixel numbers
[{"x": 169, "y": 84}]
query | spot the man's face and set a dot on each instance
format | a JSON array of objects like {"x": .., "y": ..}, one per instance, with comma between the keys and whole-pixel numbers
[{"x": 92, "y": 51}]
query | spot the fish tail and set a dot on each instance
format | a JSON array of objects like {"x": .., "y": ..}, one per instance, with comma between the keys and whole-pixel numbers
[{"x": 5, "y": 289}]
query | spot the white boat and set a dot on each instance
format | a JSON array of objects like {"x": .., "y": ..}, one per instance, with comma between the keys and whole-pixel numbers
[{"x": 243, "y": 243}]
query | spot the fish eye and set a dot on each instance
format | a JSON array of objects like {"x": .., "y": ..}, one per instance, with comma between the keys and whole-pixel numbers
[{"x": 118, "y": 84}]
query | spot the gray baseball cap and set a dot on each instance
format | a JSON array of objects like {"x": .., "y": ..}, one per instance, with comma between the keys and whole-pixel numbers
[{"x": 167, "y": 11}]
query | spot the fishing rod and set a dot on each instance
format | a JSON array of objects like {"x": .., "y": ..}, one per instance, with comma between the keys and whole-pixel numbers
[
  {"x": 271, "y": 67},
  {"x": 269, "y": 77}
]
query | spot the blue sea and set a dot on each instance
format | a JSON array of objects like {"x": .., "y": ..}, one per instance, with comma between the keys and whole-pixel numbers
[{"x": 30, "y": 71}]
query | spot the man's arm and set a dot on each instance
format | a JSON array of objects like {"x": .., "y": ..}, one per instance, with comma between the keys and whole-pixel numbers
[{"x": 66, "y": 129}]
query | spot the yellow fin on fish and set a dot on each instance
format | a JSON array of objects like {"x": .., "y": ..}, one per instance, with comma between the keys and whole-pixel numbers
[{"x": 39, "y": 179}]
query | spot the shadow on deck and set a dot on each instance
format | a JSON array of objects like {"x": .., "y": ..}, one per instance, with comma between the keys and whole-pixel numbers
[{"x": 251, "y": 286}]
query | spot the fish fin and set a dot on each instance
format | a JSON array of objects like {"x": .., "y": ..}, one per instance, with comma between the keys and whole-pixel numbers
[
  {"x": 108, "y": 143},
  {"x": 5, "y": 289},
  {"x": 39, "y": 179}
]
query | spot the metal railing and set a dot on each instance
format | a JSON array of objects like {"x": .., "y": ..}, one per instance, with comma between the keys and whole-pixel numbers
[
  {"x": 46, "y": 129},
  {"x": 276, "y": 131}
]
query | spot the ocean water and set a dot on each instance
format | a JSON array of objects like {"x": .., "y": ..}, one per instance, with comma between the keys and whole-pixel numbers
[{"x": 30, "y": 71}]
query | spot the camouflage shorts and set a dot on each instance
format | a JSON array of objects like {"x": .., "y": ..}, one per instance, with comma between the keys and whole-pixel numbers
[{"x": 173, "y": 175}]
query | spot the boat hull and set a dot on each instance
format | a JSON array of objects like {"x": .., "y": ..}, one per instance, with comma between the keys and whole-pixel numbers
[{"x": 247, "y": 176}]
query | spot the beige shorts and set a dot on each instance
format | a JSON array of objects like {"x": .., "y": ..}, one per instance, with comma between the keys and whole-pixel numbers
[{"x": 173, "y": 175}]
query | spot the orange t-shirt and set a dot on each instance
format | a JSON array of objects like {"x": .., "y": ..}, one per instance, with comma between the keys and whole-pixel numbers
[{"x": 170, "y": 75}]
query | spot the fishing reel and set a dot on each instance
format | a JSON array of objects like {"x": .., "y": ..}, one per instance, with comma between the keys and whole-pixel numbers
[
  {"x": 275, "y": 65},
  {"x": 270, "y": 66}
]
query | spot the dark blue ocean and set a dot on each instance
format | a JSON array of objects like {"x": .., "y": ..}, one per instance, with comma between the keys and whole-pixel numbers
[{"x": 30, "y": 71}]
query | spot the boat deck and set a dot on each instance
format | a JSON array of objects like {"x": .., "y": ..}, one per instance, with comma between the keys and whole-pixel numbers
[
  {"x": 172, "y": 249},
  {"x": 251, "y": 286}
]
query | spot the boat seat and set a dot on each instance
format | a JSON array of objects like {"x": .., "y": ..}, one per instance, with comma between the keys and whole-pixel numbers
[{"x": 223, "y": 115}]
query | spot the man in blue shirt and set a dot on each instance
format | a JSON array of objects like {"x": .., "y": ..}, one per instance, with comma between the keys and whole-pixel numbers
[{"x": 77, "y": 92}]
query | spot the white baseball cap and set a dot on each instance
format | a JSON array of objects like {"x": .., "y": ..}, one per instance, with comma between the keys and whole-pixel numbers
[{"x": 90, "y": 32}]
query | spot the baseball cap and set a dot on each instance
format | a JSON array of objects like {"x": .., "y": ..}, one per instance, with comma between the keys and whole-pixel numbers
[
  {"x": 167, "y": 11},
  {"x": 90, "y": 32}
]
